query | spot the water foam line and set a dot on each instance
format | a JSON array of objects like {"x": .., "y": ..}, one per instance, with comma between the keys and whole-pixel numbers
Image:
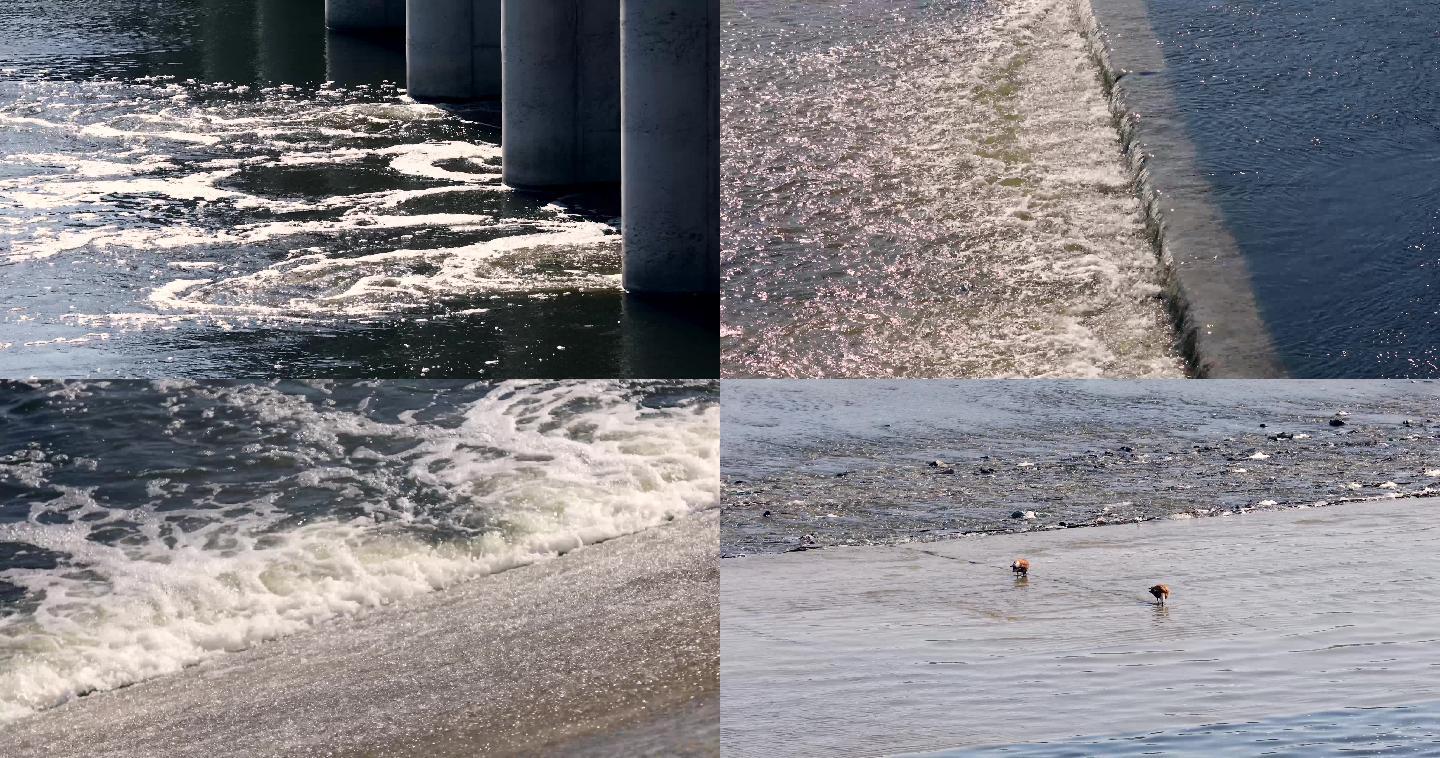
[{"x": 1221, "y": 332}]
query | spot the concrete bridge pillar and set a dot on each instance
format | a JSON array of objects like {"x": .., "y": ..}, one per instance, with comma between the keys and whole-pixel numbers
[
  {"x": 364, "y": 15},
  {"x": 452, "y": 49},
  {"x": 560, "y": 92},
  {"x": 670, "y": 189}
]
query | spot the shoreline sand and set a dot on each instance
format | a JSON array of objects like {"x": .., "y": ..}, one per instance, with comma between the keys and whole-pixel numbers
[{"x": 612, "y": 649}]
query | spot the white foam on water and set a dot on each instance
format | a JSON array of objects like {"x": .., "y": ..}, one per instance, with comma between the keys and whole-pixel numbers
[
  {"x": 80, "y": 166},
  {"x": 964, "y": 209},
  {"x": 420, "y": 160},
  {"x": 106, "y": 131},
  {"x": 88, "y": 183},
  {"x": 120, "y": 174},
  {"x": 364, "y": 212},
  {"x": 579, "y": 462},
  {"x": 399, "y": 280},
  {"x": 101, "y": 130},
  {"x": 60, "y": 194}
]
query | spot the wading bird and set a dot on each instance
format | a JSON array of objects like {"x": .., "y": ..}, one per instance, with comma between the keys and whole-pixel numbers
[
  {"x": 1161, "y": 592},
  {"x": 1021, "y": 567}
]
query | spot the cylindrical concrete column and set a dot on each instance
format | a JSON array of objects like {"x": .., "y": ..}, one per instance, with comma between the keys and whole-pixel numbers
[
  {"x": 452, "y": 49},
  {"x": 670, "y": 190},
  {"x": 561, "y": 92},
  {"x": 364, "y": 15}
]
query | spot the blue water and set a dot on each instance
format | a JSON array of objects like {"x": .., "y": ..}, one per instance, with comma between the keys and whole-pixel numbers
[
  {"x": 1404, "y": 730},
  {"x": 1318, "y": 124}
]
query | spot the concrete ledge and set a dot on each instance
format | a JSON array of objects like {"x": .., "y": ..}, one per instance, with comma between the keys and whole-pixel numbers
[{"x": 1207, "y": 282}]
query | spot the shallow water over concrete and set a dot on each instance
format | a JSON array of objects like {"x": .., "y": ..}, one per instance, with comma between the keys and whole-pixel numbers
[
  {"x": 928, "y": 189},
  {"x": 878, "y": 650}
]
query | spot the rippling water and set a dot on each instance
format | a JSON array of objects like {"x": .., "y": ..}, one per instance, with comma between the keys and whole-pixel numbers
[
  {"x": 1307, "y": 632},
  {"x": 929, "y": 188},
  {"x": 849, "y": 462},
  {"x": 221, "y": 188},
  {"x": 144, "y": 527},
  {"x": 1315, "y": 124},
  {"x": 1398, "y": 730}
]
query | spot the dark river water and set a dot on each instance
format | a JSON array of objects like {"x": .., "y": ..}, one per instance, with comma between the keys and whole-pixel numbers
[
  {"x": 221, "y": 188},
  {"x": 1317, "y": 125},
  {"x": 145, "y": 527}
]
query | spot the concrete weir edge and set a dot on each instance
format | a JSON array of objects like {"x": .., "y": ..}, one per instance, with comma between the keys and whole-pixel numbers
[{"x": 1208, "y": 291}]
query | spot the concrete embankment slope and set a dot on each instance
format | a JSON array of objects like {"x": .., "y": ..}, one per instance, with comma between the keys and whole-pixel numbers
[
  {"x": 923, "y": 647},
  {"x": 1221, "y": 331},
  {"x": 612, "y": 649}
]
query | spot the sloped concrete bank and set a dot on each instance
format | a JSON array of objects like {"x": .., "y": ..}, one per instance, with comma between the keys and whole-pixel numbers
[
  {"x": 609, "y": 650},
  {"x": 1207, "y": 282}
]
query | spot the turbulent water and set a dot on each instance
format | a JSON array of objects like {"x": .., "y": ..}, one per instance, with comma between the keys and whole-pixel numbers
[
  {"x": 144, "y": 527},
  {"x": 850, "y": 462},
  {"x": 219, "y": 188},
  {"x": 1315, "y": 128},
  {"x": 929, "y": 188}
]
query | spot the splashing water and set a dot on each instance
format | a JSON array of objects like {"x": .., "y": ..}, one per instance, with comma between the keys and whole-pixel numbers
[{"x": 149, "y": 526}]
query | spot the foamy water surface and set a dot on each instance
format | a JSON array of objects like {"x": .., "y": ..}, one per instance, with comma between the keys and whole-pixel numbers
[
  {"x": 226, "y": 189},
  {"x": 928, "y": 189},
  {"x": 145, "y": 527}
]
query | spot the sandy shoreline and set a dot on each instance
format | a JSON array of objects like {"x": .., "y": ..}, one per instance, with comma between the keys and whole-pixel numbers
[{"x": 610, "y": 650}]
